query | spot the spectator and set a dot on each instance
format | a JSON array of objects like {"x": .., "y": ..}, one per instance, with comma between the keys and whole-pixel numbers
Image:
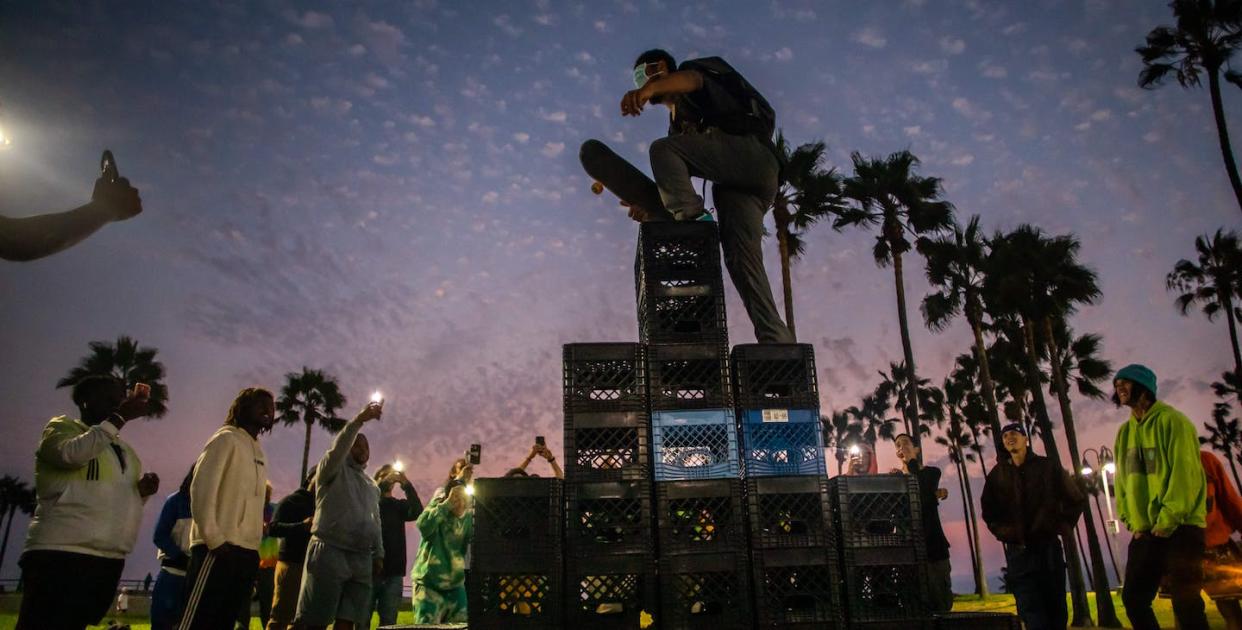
[
  {"x": 90, "y": 494},
  {"x": 172, "y": 540},
  {"x": 939, "y": 569},
  {"x": 541, "y": 451},
  {"x": 439, "y": 576},
  {"x": 1028, "y": 502},
  {"x": 226, "y": 505},
  {"x": 394, "y": 514},
  {"x": 264, "y": 579},
  {"x": 31, "y": 238},
  {"x": 146, "y": 583},
  {"x": 862, "y": 461},
  {"x": 1222, "y": 558},
  {"x": 346, "y": 550},
  {"x": 291, "y": 525},
  {"x": 1162, "y": 499}
]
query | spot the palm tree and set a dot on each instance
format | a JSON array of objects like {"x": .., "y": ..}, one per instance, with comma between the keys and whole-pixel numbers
[
  {"x": 1213, "y": 283},
  {"x": 807, "y": 194},
  {"x": 310, "y": 397},
  {"x": 838, "y": 432},
  {"x": 127, "y": 361},
  {"x": 894, "y": 391},
  {"x": 885, "y": 192},
  {"x": 1207, "y": 34},
  {"x": 956, "y": 267},
  {"x": 961, "y": 446},
  {"x": 1224, "y": 437},
  {"x": 15, "y": 496}
]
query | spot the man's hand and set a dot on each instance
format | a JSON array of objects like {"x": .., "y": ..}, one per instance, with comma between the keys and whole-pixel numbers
[
  {"x": 636, "y": 213},
  {"x": 1161, "y": 533},
  {"x": 942, "y": 493},
  {"x": 373, "y": 411},
  {"x": 133, "y": 407},
  {"x": 399, "y": 477},
  {"x": 377, "y": 566},
  {"x": 633, "y": 101},
  {"x": 544, "y": 452},
  {"x": 148, "y": 485},
  {"x": 308, "y": 521},
  {"x": 119, "y": 199}
]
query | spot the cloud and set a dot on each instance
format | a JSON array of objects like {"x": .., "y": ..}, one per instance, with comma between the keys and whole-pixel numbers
[
  {"x": 313, "y": 20},
  {"x": 912, "y": 131},
  {"x": 965, "y": 159},
  {"x": 556, "y": 117},
  {"x": 784, "y": 54},
  {"x": 521, "y": 137},
  {"x": 601, "y": 26},
  {"x": 870, "y": 37},
  {"x": 491, "y": 196},
  {"x": 293, "y": 39},
  {"x": 357, "y": 50},
  {"x": 950, "y": 45},
  {"x": 931, "y": 66},
  {"x": 503, "y": 23},
  {"x": 963, "y": 106},
  {"x": 991, "y": 71},
  {"x": 553, "y": 149},
  {"x": 1152, "y": 137},
  {"x": 423, "y": 121}
]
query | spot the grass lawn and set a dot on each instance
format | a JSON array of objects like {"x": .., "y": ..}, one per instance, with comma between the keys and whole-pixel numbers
[{"x": 964, "y": 603}]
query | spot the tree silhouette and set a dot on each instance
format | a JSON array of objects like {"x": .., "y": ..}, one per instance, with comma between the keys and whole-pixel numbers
[
  {"x": 310, "y": 397},
  {"x": 1213, "y": 283},
  {"x": 127, "y": 361}
]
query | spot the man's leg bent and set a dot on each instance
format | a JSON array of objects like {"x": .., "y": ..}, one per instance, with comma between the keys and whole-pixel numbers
[
  {"x": 740, "y": 162},
  {"x": 741, "y": 238},
  {"x": 1144, "y": 568},
  {"x": 429, "y": 605}
]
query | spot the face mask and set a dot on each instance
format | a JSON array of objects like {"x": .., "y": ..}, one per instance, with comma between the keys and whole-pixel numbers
[{"x": 640, "y": 74}]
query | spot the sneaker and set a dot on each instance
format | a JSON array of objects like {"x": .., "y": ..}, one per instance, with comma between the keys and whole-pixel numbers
[{"x": 697, "y": 214}]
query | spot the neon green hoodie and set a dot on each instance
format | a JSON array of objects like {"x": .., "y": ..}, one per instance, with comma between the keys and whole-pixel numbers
[{"x": 1160, "y": 482}]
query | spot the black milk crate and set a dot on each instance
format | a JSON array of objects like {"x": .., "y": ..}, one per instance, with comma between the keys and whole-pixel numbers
[
  {"x": 610, "y": 592},
  {"x": 701, "y": 516},
  {"x": 789, "y": 512},
  {"x": 884, "y": 584},
  {"x": 876, "y": 511},
  {"x": 778, "y": 442},
  {"x": 774, "y": 376},
  {"x": 694, "y": 444},
  {"x": 705, "y": 592},
  {"x": 795, "y": 588},
  {"x": 688, "y": 314},
  {"x": 976, "y": 621},
  {"x": 604, "y": 377},
  {"x": 518, "y": 514},
  {"x": 609, "y": 518},
  {"x": 526, "y": 591},
  {"x": 607, "y": 446},
  {"x": 689, "y": 376},
  {"x": 678, "y": 249}
]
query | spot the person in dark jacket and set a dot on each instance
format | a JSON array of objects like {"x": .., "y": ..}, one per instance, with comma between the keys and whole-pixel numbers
[
  {"x": 1028, "y": 503},
  {"x": 172, "y": 539},
  {"x": 291, "y": 524},
  {"x": 394, "y": 514},
  {"x": 939, "y": 569}
]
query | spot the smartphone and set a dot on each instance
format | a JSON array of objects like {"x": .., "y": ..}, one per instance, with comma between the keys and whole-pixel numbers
[
  {"x": 476, "y": 454},
  {"x": 142, "y": 391},
  {"x": 540, "y": 441},
  {"x": 107, "y": 167}
]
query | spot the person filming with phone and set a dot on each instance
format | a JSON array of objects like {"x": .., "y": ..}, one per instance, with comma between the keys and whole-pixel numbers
[
  {"x": 446, "y": 526},
  {"x": 540, "y": 449},
  {"x": 91, "y": 490}
]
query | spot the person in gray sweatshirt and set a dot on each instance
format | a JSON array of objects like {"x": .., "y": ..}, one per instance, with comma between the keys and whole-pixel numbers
[{"x": 347, "y": 547}]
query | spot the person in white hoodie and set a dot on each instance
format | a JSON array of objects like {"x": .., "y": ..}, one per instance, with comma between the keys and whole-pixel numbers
[
  {"x": 90, "y": 496},
  {"x": 226, "y": 506}
]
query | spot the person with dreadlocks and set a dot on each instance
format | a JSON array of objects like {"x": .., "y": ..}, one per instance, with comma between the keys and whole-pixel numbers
[{"x": 227, "y": 498}]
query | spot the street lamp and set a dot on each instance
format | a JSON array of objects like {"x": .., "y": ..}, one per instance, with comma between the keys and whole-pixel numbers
[{"x": 1104, "y": 458}]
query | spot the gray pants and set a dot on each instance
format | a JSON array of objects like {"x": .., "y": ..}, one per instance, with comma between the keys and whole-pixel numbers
[{"x": 743, "y": 173}]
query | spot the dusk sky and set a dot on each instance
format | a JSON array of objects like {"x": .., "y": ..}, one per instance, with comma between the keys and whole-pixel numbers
[{"x": 391, "y": 192}]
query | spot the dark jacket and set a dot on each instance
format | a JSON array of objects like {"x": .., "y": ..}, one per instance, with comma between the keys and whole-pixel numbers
[
  {"x": 289, "y": 525},
  {"x": 394, "y": 514},
  {"x": 1032, "y": 503},
  {"x": 929, "y": 508}
]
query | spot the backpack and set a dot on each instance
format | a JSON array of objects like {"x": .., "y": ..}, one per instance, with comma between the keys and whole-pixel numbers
[{"x": 750, "y": 114}]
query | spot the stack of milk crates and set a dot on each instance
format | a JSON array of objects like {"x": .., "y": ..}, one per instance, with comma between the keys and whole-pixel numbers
[
  {"x": 782, "y": 455},
  {"x": 704, "y": 569}
]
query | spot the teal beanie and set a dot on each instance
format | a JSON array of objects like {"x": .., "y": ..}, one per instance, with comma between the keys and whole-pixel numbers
[{"x": 1140, "y": 374}]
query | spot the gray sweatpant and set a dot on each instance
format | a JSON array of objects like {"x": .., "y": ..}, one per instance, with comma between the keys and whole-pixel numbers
[{"x": 743, "y": 173}]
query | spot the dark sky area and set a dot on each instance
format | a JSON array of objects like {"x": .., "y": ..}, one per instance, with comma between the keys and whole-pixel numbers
[{"x": 390, "y": 192}]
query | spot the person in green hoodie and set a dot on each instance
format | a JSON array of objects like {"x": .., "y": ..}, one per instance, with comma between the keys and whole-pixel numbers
[
  {"x": 439, "y": 576},
  {"x": 1162, "y": 499}
]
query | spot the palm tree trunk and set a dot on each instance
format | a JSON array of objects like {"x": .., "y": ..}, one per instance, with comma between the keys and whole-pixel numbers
[
  {"x": 782, "y": 239},
  {"x": 1078, "y": 587},
  {"x": 4, "y": 546},
  {"x": 911, "y": 414},
  {"x": 1103, "y": 596},
  {"x": 306, "y": 447},
  {"x": 966, "y": 510},
  {"x": 1222, "y": 131},
  {"x": 981, "y": 580},
  {"x": 1233, "y": 333},
  {"x": 985, "y": 375}
]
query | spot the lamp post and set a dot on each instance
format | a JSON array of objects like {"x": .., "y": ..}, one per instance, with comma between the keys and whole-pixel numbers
[{"x": 1104, "y": 461}]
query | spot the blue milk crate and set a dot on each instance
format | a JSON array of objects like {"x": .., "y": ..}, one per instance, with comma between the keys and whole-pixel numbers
[
  {"x": 694, "y": 444},
  {"x": 778, "y": 442}
]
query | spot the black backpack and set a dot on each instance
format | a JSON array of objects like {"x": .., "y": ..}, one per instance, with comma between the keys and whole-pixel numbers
[{"x": 749, "y": 114}]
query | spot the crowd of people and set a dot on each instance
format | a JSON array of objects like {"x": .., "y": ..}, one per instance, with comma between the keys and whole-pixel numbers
[{"x": 331, "y": 553}]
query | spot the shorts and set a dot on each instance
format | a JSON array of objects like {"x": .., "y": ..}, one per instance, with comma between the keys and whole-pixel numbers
[{"x": 336, "y": 585}]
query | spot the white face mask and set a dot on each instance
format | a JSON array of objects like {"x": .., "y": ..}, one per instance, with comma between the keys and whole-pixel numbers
[{"x": 641, "y": 76}]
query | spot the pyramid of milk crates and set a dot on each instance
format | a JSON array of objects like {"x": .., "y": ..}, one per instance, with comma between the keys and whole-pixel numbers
[{"x": 695, "y": 493}]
